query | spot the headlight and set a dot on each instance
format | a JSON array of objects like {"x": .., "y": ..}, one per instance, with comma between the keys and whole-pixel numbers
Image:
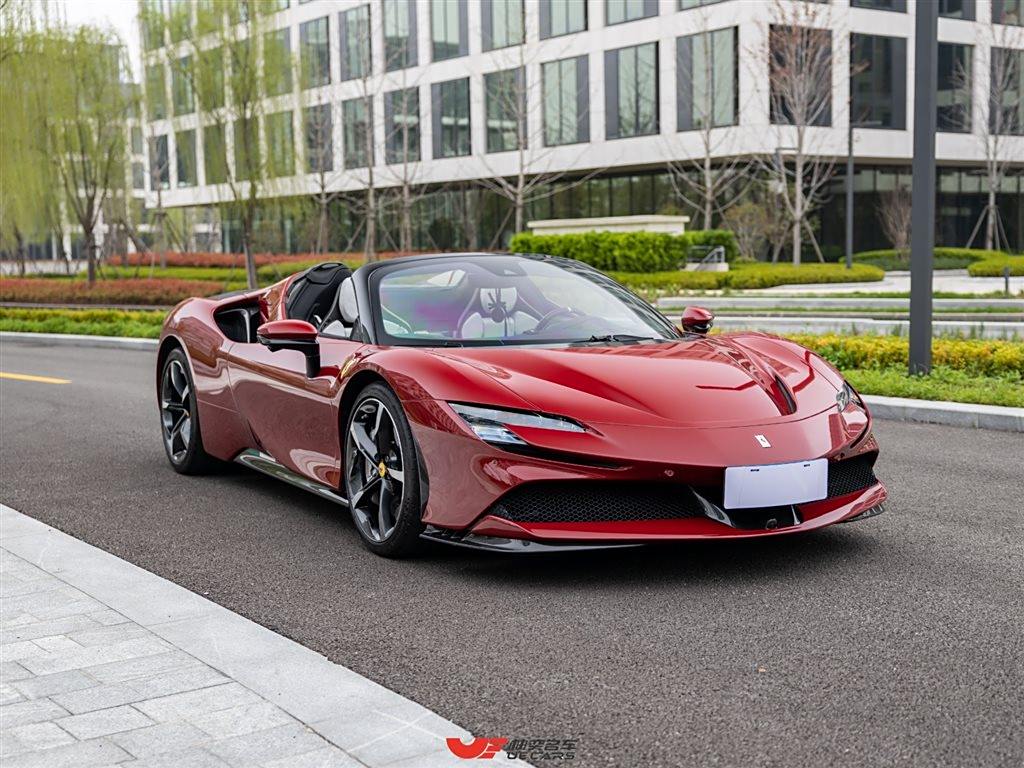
[
  {"x": 845, "y": 396},
  {"x": 491, "y": 424}
]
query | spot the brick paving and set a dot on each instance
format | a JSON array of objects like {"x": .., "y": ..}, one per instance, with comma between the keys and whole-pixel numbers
[{"x": 81, "y": 685}]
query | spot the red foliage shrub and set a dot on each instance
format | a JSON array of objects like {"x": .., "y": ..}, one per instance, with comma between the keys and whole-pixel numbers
[{"x": 155, "y": 291}]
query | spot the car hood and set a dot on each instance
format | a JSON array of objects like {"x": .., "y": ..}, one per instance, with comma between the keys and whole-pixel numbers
[{"x": 713, "y": 381}]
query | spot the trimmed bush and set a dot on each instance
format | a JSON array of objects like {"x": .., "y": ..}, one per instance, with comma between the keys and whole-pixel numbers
[
  {"x": 625, "y": 251},
  {"x": 157, "y": 291},
  {"x": 987, "y": 357},
  {"x": 943, "y": 258},
  {"x": 993, "y": 267},
  {"x": 745, "y": 276}
]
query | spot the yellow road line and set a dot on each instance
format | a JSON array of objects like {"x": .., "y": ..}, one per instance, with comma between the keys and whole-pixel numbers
[{"x": 37, "y": 379}]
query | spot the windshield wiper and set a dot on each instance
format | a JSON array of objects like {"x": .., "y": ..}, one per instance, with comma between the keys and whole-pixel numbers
[{"x": 620, "y": 337}]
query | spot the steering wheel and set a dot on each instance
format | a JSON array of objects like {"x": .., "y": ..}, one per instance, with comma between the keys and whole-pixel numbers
[{"x": 550, "y": 316}]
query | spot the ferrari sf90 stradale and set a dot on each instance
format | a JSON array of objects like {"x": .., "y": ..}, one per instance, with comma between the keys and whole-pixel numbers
[{"x": 512, "y": 402}]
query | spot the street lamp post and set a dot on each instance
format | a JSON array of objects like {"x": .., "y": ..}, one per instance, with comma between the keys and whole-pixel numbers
[
  {"x": 922, "y": 215},
  {"x": 849, "y": 178}
]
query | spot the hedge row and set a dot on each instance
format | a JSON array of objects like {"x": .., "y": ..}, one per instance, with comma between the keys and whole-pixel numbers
[
  {"x": 626, "y": 251},
  {"x": 943, "y": 258},
  {"x": 987, "y": 357},
  {"x": 747, "y": 276},
  {"x": 89, "y": 322},
  {"x": 157, "y": 291},
  {"x": 994, "y": 267}
]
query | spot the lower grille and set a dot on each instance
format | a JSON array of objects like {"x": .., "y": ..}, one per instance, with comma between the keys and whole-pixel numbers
[
  {"x": 851, "y": 475},
  {"x": 583, "y": 501},
  {"x": 588, "y": 501}
]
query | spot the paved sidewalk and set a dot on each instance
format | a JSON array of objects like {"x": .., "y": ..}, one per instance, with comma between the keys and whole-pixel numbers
[{"x": 104, "y": 663}]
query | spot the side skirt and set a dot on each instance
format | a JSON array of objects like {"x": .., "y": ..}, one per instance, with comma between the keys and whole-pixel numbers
[{"x": 268, "y": 465}]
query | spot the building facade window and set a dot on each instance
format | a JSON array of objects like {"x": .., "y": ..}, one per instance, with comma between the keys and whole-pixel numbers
[
  {"x": 631, "y": 91},
  {"x": 685, "y": 5},
  {"x": 1006, "y": 90},
  {"x": 1008, "y": 12},
  {"x": 953, "y": 102},
  {"x": 159, "y": 164},
  {"x": 181, "y": 86},
  {"x": 246, "y": 135},
  {"x": 277, "y": 62},
  {"x": 357, "y": 125},
  {"x": 620, "y": 11},
  {"x": 448, "y": 29},
  {"x": 315, "y": 53},
  {"x": 355, "y": 43},
  {"x": 399, "y": 34},
  {"x": 565, "y": 85},
  {"x": 800, "y": 75},
  {"x": 878, "y": 80},
  {"x": 156, "y": 94},
  {"x": 215, "y": 154},
  {"x": 402, "y": 125},
  {"x": 179, "y": 17},
  {"x": 958, "y": 9},
  {"x": 505, "y": 102},
  {"x": 562, "y": 17},
  {"x": 136, "y": 140},
  {"x": 319, "y": 131},
  {"x": 707, "y": 79},
  {"x": 502, "y": 22},
  {"x": 138, "y": 176},
  {"x": 899, "y": 6},
  {"x": 209, "y": 79},
  {"x": 449, "y": 103},
  {"x": 280, "y": 144},
  {"x": 185, "y": 155}
]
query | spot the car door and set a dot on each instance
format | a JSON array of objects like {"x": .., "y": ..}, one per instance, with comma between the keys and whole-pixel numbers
[{"x": 293, "y": 418}]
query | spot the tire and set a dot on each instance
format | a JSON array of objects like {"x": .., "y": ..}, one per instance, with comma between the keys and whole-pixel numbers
[
  {"x": 179, "y": 418},
  {"x": 382, "y": 478}
]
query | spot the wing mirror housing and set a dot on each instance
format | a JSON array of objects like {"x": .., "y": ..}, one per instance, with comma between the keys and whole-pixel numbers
[
  {"x": 292, "y": 334},
  {"x": 697, "y": 320}
]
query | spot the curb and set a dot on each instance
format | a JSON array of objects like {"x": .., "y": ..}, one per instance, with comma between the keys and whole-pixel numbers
[
  {"x": 996, "y": 417},
  {"x": 76, "y": 340},
  {"x": 372, "y": 724}
]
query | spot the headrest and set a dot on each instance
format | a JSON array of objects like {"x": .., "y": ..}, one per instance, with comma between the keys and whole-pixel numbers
[{"x": 347, "y": 301}]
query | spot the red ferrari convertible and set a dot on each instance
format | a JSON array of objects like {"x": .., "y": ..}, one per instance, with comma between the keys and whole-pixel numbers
[{"x": 514, "y": 403}]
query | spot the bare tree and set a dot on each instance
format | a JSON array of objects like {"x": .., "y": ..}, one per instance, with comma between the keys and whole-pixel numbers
[
  {"x": 702, "y": 183},
  {"x": 509, "y": 94},
  {"x": 751, "y": 223},
  {"x": 799, "y": 51},
  {"x": 1001, "y": 59},
  {"x": 894, "y": 214}
]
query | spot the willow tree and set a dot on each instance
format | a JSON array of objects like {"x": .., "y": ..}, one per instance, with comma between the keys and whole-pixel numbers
[
  {"x": 28, "y": 198},
  {"x": 236, "y": 64},
  {"x": 86, "y": 107}
]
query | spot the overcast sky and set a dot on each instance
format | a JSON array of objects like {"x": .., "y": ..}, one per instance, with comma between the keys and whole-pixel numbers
[{"x": 121, "y": 15}]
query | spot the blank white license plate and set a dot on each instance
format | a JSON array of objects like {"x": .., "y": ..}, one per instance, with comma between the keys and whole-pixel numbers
[{"x": 775, "y": 485}]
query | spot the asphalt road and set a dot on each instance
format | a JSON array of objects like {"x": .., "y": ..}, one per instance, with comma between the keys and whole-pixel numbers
[{"x": 893, "y": 641}]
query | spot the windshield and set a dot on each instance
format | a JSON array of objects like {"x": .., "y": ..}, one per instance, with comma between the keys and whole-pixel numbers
[{"x": 508, "y": 300}]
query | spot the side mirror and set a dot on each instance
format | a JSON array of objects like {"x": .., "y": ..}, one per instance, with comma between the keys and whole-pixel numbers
[
  {"x": 697, "y": 320},
  {"x": 292, "y": 334}
]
